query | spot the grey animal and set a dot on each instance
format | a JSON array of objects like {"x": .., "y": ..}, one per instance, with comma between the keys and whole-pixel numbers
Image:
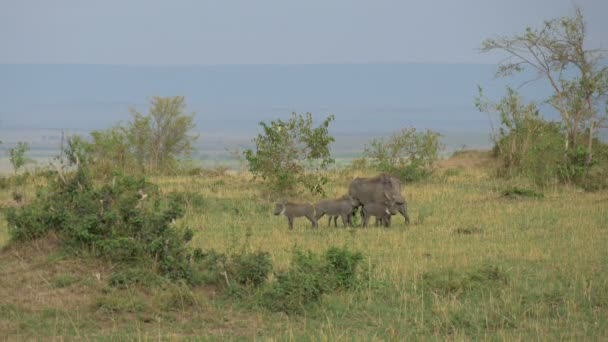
[
  {"x": 400, "y": 208},
  {"x": 384, "y": 189},
  {"x": 334, "y": 208},
  {"x": 382, "y": 212},
  {"x": 293, "y": 210}
]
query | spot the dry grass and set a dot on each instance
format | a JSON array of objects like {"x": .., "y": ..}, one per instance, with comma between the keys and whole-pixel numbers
[{"x": 552, "y": 250}]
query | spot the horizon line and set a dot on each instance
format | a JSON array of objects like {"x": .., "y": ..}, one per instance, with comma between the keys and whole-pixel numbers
[{"x": 237, "y": 64}]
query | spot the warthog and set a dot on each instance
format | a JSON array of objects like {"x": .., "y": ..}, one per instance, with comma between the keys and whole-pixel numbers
[
  {"x": 342, "y": 207},
  {"x": 382, "y": 212},
  {"x": 401, "y": 208},
  {"x": 383, "y": 188},
  {"x": 292, "y": 210}
]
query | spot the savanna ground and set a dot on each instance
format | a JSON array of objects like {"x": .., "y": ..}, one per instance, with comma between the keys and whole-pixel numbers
[{"x": 473, "y": 263}]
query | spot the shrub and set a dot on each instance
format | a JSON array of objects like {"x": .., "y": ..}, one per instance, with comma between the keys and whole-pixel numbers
[
  {"x": 301, "y": 285},
  {"x": 342, "y": 264},
  {"x": 408, "y": 154},
  {"x": 289, "y": 154},
  {"x": 528, "y": 145},
  {"x": 152, "y": 143},
  {"x": 124, "y": 220},
  {"x": 251, "y": 268},
  {"x": 17, "y": 155},
  {"x": 187, "y": 199},
  {"x": 309, "y": 277},
  {"x": 212, "y": 266}
]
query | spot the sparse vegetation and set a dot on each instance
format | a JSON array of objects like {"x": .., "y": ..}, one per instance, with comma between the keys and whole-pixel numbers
[
  {"x": 516, "y": 192},
  {"x": 17, "y": 155},
  {"x": 408, "y": 154}
]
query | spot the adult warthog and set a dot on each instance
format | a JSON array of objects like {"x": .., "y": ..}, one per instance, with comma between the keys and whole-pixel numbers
[{"x": 383, "y": 188}]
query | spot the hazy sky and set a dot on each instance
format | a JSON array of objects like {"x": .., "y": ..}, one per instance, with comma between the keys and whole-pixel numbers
[{"x": 153, "y": 32}]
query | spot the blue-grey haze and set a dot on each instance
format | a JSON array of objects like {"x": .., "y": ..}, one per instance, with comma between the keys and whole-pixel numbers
[{"x": 368, "y": 100}]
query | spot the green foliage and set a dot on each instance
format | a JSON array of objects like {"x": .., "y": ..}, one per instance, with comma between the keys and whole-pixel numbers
[
  {"x": 150, "y": 143},
  {"x": 301, "y": 285},
  {"x": 124, "y": 220},
  {"x": 289, "y": 154},
  {"x": 192, "y": 200},
  {"x": 578, "y": 76},
  {"x": 342, "y": 264},
  {"x": 408, "y": 154},
  {"x": 213, "y": 266},
  {"x": 17, "y": 155},
  {"x": 110, "y": 150},
  {"x": 309, "y": 277},
  {"x": 159, "y": 138},
  {"x": 527, "y": 145},
  {"x": 251, "y": 268}
]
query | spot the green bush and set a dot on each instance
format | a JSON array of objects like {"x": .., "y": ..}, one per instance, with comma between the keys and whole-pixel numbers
[
  {"x": 251, "y": 268},
  {"x": 124, "y": 220},
  {"x": 289, "y": 154},
  {"x": 528, "y": 145},
  {"x": 309, "y": 277},
  {"x": 342, "y": 265},
  {"x": 17, "y": 155},
  {"x": 149, "y": 143},
  {"x": 188, "y": 199},
  {"x": 301, "y": 285},
  {"x": 407, "y": 154}
]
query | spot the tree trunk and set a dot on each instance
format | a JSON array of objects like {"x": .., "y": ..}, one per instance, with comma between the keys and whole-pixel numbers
[{"x": 590, "y": 143}]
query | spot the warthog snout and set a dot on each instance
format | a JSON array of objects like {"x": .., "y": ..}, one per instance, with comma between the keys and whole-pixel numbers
[{"x": 279, "y": 208}]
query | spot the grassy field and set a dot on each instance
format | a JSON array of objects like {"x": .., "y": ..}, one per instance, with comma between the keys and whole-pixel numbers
[{"x": 472, "y": 264}]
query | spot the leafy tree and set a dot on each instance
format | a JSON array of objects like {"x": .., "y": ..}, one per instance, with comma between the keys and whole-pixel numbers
[
  {"x": 290, "y": 154},
  {"x": 149, "y": 143},
  {"x": 111, "y": 150},
  {"x": 17, "y": 155},
  {"x": 158, "y": 139},
  {"x": 556, "y": 52},
  {"x": 524, "y": 142},
  {"x": 407, "y": 153}
]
